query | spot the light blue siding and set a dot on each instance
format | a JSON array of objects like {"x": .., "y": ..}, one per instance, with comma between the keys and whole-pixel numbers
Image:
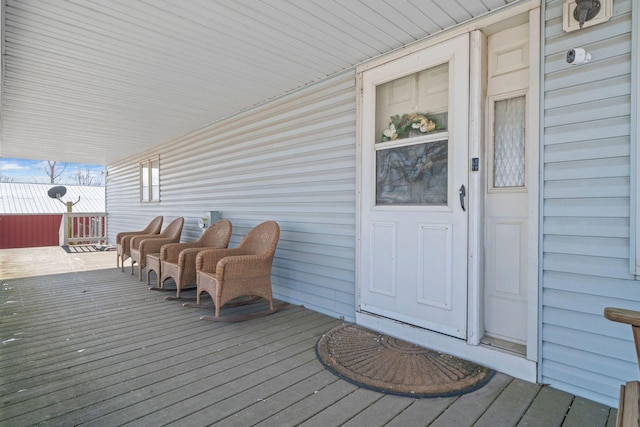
[
  {"x": 586, "y": 207},
  {"x": 292, "y": 161}
]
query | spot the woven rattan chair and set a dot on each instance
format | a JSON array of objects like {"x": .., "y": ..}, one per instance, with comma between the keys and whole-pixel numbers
[
  {"x": 123, "y": 240},
  {"x": 226, "y": 274},
  {"x": 178, "y": 260},
  {"x": 143, "y": 245}
]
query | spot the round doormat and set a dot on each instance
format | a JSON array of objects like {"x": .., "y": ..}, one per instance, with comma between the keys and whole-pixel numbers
[{"x": 389, "y": 365}]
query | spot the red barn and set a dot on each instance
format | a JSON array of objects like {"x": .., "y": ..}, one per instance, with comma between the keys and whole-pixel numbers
[{"x": 30, "y": 218}]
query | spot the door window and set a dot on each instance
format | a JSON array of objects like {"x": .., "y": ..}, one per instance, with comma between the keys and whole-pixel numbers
[
  {"x": 412, "y": 174},
  {"x": 412, "y": 138},
  {"x": 509, "y": 121}
]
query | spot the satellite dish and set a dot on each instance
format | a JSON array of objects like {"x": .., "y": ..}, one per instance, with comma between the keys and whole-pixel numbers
[{"x": 57, "y": 192}]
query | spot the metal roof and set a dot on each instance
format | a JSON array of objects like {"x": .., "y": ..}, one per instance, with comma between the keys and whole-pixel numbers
[
  {"x": 95, "y": 81},
  {"x": 17, "y": 198}
]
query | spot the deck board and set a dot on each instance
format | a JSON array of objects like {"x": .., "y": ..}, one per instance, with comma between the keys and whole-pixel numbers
[
  {"x": 549, "y": 408},
  {"x": 468, "y": 408},
  {"x": 344, "y": 409},
  {"x": 421, "y": 412},
  {"x": 187, "y": 376},
  {"x": 583, "y": 412},
  {"x": 310, "y": 405},
  {"x": 510, "y": 405},
  {"x": 90, "y": 345},
  {"x": 381, "y": 412},
  {"x": 277, "y": 404}
]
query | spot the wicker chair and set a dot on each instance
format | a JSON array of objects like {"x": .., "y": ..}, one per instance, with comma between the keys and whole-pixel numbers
[
  {"x": 226, "y": 274},
  {"x": 629, "y": 401},
  {"x": 178, "y": 260},
  {"x": 123, "y": 240},
  {"x": 143, "y": 245}
]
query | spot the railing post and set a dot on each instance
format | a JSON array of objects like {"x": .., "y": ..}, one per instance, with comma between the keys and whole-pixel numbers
[
  {"x": 64, "y": 230},
  {"x": 70, "y": 224}
]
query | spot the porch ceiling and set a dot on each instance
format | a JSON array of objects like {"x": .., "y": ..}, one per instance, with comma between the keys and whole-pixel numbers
[{"x": 94, "y": 81}]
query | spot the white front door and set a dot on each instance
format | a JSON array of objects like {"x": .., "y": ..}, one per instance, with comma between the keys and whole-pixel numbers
[
  {"x": 414, "y": 179},
  {"x": 506, "y": 202}
]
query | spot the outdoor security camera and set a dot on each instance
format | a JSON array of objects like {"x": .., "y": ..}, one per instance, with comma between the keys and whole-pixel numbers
[{"x": 578, "y": 56}]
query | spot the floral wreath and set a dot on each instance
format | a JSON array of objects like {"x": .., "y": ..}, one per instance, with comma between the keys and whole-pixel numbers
[{"x": 401, "y": 126}]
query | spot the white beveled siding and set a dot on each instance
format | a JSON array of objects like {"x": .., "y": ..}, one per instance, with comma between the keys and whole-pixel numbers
[
  {"x": 292, "y": 161},
  {"x": 586, "y": 207}
]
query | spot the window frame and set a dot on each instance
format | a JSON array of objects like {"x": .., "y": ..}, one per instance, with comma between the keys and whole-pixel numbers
[{"x": 149, "y": 193}]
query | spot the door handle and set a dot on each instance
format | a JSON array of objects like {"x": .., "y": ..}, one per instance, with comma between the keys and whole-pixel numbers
[{"x": 462, "y": 192}]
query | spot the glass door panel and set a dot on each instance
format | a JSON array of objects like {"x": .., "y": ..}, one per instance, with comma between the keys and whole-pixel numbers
[
  {"x": 509, "y": 142},
  {"x": 412, "y": 139},
  {"x": 412, "y": 174}
]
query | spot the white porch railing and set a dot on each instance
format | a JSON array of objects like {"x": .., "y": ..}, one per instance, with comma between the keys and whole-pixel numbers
[{"x": 83, "y": 228}]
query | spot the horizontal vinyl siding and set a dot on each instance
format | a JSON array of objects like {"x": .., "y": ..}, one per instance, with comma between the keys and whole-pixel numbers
[
  {"x": 586, "y": 208},
  {"x": 292, "y": 161}
]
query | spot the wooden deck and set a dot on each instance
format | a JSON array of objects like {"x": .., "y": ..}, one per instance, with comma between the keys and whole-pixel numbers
[{"x": 84, "y": 346}]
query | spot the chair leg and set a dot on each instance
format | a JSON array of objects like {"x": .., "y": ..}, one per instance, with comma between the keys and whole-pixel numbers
[{"x": 620, "y": 415}]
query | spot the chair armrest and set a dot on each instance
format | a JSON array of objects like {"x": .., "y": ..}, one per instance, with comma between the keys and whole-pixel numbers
[
  {"x": 125, "y": 243},
  {"x": 630, "y": 317},
  {"x": 208, "y": 259},
  {"x": 188, "y": 256},
  {"x": 129, "y": 234},
  {"x": 623, "y": 315},
  {"x": 150, "y": 246},
  {"x": 171, "y": 251},
  {"x": 244, "y": 267},
  {"x": 136, "y": 239},
  {"x": 119, "y": 236}
]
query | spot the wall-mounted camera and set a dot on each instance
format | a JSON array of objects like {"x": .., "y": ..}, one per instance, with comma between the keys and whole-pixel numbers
[{"x": 578, "y": 56}]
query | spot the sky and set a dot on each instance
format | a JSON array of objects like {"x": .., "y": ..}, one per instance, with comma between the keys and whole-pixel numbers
[{"x": 32, "y": 172}]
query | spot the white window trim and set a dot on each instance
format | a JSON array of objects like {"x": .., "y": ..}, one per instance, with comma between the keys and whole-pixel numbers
[{"x": 148, "y": 162}]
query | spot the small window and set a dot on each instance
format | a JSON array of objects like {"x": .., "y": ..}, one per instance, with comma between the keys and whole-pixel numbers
[
  {"x": 508, "y": 150},
  {"x": 150, "y": 180}
]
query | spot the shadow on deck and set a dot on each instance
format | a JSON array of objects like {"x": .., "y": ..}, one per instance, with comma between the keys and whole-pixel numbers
[{"x": 83, "y": 343}]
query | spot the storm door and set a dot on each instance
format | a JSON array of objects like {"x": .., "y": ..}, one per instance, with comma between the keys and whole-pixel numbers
[{"x": 414, "y": 179}]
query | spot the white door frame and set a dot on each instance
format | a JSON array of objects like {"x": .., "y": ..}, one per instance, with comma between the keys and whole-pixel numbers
[{"x": 520, "y": 367}]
